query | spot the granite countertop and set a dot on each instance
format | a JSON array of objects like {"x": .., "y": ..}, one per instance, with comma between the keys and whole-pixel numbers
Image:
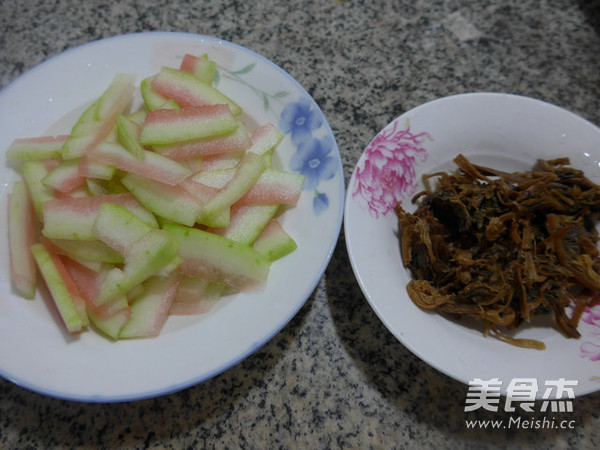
[{"x": 334, "y": 377}]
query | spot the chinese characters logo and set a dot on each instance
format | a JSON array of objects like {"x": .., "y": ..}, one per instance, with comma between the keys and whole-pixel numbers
[{"x": 557, "y": 395}]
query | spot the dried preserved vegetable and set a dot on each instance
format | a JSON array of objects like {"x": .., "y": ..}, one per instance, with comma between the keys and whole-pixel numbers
[{"x": 505, "y": 247}]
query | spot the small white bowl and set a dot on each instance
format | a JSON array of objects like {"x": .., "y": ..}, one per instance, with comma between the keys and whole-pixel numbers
[{"x": 503, "y": 131}]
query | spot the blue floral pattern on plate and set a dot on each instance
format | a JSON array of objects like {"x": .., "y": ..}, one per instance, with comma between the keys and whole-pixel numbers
[{"x": 314, "y": 157}]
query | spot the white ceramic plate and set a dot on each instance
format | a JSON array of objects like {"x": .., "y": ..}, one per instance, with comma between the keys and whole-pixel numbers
[
  {"x": 34, "y": 351},
  {"x": 504, "y": 131}
]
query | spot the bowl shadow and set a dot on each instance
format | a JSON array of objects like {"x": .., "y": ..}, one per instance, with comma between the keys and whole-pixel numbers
[{"x": 417, "y": 390}]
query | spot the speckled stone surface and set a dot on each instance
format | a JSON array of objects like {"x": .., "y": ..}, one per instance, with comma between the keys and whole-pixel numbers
[{"x": 334, "y": 377}]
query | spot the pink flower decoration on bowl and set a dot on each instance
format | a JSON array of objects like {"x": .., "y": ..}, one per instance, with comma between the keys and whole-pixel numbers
[
  {"x": 388, "y": 172},
  {"x": 590, "y": 349},
  {"x": 592, "y": 315}
]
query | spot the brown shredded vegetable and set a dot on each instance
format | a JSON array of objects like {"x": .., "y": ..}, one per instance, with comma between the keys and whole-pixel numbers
[{"x": 505, "y": 247}]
